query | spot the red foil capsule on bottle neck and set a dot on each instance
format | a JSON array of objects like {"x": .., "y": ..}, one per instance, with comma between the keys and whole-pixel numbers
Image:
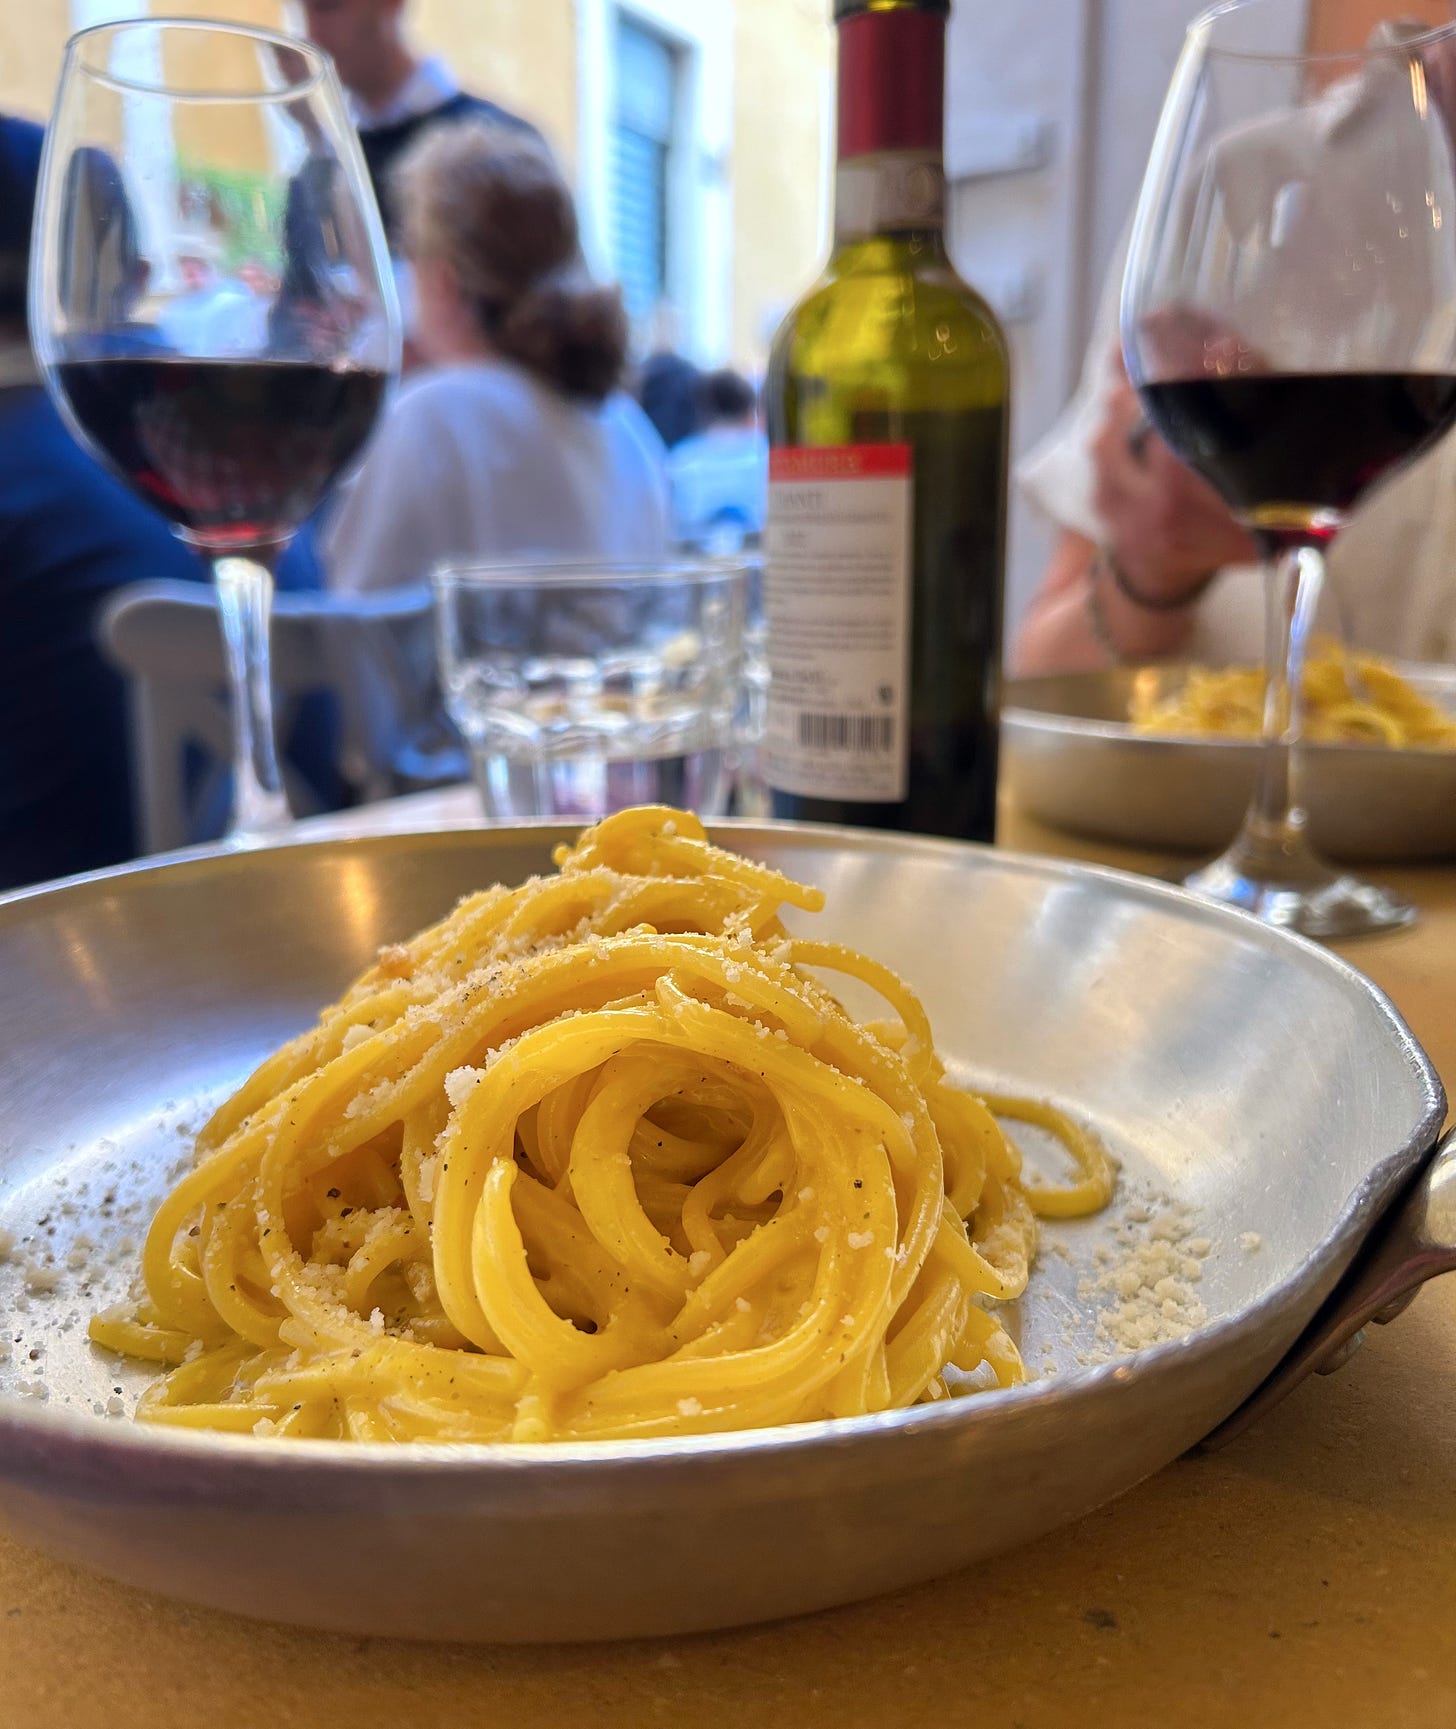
[{"x": 891, "y": 83}]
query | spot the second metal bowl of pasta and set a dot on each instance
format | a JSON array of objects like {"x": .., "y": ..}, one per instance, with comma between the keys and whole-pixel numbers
[
  {"x": 1266, "y": 1104},
  {"x": 1080, "y": 765}
]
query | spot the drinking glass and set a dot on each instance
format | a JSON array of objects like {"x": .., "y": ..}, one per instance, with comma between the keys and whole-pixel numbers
[
  {"x": 1289, "y": 320},
  {"x": 212, "y": 307},
  {"x": 584, "y": 688}
]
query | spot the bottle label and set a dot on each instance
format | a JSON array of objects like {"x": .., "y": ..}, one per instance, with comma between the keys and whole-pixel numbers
[
  {"x": 889, "y": 194},
  {"x": 837, "y": 581}
]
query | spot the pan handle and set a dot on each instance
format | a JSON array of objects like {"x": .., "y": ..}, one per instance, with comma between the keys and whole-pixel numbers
[{"x": 1414, "y": 1242}]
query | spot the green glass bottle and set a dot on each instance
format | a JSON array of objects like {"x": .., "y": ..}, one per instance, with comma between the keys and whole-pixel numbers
[{"x": 887, "y": 404}]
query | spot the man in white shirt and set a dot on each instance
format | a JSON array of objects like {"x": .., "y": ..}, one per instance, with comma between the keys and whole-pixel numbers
[{"x": 393, "y": 94}]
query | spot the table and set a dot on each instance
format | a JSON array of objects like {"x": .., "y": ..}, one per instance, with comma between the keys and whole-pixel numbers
[{"x": 1304, "y": 1576}]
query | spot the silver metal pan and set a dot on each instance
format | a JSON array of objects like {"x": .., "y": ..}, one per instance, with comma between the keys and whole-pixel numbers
[
  {"x": 1262, "y": 1096},
  {"x": 1079, "y": 765}
]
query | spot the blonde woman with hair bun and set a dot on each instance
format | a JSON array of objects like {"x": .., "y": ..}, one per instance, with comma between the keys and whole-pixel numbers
[{"x": 515, "y": 437}]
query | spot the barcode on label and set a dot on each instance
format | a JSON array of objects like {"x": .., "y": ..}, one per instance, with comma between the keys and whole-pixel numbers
[{"x": 863, "y": 734}]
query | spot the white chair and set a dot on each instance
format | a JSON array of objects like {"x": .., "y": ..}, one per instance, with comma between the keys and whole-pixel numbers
[{"x": 374, "y": 653}]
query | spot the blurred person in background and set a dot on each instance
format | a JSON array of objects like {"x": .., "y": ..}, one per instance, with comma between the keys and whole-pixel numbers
[
  {"x": 1149, "y": 561},
  {"x": 668, "y": 385},
  {"x": 217, "y": 314},
  {"x": 393, "y": 94},
  {"x": 719, "y": 476},
  {"x": 70, "y": 536},
  {"x": 515, "y": 438}
]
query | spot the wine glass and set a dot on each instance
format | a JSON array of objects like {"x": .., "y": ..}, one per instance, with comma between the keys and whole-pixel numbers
[
  {"x": 1289, "y": 320},
  {"x": 212, "y": 308}
]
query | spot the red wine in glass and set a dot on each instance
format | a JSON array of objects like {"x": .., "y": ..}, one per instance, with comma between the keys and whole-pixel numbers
[
  {"x": 235, "y": 453},
  {"x": 1286, "y": 318},
  {"x": 1314, "y": 442},
  {"x": 212, "y": 307}
]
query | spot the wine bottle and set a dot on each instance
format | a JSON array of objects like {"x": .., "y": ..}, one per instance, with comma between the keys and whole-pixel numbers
[{"x": 887, "y": 397}]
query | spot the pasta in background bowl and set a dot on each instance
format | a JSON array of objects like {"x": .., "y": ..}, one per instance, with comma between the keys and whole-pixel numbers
[
  {"x": 1084, "y": 753},
  {"x": 1349, "y": 699}
]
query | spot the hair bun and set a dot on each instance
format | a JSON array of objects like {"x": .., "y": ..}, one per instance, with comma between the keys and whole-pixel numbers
[
  {"x": 492, "y": 204},
  {"x": 570, "y": 331}
]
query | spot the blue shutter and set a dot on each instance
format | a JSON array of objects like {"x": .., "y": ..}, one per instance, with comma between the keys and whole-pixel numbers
[{"x": 641, "y": 143}]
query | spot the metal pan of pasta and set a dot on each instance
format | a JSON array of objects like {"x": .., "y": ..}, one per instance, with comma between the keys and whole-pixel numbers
[
  {"x": 1164, "y": 756},
  {"x": 522, "y": 1235}
]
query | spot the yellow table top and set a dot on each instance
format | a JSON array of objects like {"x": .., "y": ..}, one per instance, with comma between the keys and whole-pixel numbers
[{"x": 1304, "y": 1576}]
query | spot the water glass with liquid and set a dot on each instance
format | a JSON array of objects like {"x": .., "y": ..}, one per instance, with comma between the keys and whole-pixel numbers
[{"x": 584, "y": 688}]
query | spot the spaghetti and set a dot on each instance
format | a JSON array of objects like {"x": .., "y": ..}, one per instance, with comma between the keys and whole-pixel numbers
[
  {"x": 599, "y": 1156},
  {"x": 1348, "y": 699}
]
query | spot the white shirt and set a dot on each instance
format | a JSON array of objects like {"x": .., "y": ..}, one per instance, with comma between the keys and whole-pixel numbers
[
  {"x": 427, "y": 87},
  {"x": 480, "y": 461},
  {"x": 1393, "y": 567}
]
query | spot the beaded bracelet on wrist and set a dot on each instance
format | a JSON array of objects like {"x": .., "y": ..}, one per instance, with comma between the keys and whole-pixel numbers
[
  {"x": 1109, "y": 561},
  {"x": 1105, "y": 560},
  {"x": 1097, "y": 619}
]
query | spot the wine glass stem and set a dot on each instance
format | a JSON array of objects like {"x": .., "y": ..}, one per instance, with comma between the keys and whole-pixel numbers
[
  {"x": 245, "y": 597},
  {"x": 1274, "y": 830}
]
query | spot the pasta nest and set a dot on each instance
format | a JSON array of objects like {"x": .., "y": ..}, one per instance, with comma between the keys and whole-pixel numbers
[{"x": 599, "y": 1156}]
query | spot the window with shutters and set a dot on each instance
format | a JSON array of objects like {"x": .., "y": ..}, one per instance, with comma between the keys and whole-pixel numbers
[
  {"x": 655, "y": 139},
  {"x": 643, "y": 137}
]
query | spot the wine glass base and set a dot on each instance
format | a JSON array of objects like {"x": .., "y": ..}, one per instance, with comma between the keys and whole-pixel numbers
[
  {"x": 259, "y": 820},
  {"x": 1333, "y": 906}
]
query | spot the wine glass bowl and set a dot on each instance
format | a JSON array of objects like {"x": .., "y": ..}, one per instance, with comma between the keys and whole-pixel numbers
[
  {"x": 212, "y": 306},
  {"x": 1287, "y": 320}
]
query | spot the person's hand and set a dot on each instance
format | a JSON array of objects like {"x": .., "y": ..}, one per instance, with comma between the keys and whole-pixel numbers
[{"x": 1166, "y": 526}]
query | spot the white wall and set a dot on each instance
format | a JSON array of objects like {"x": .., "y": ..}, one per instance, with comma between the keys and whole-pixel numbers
[
  {"x": 1073, "y": 87},
  {"x": 1138, "y": 44},
  {"x": 1015, "y": 120}
]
